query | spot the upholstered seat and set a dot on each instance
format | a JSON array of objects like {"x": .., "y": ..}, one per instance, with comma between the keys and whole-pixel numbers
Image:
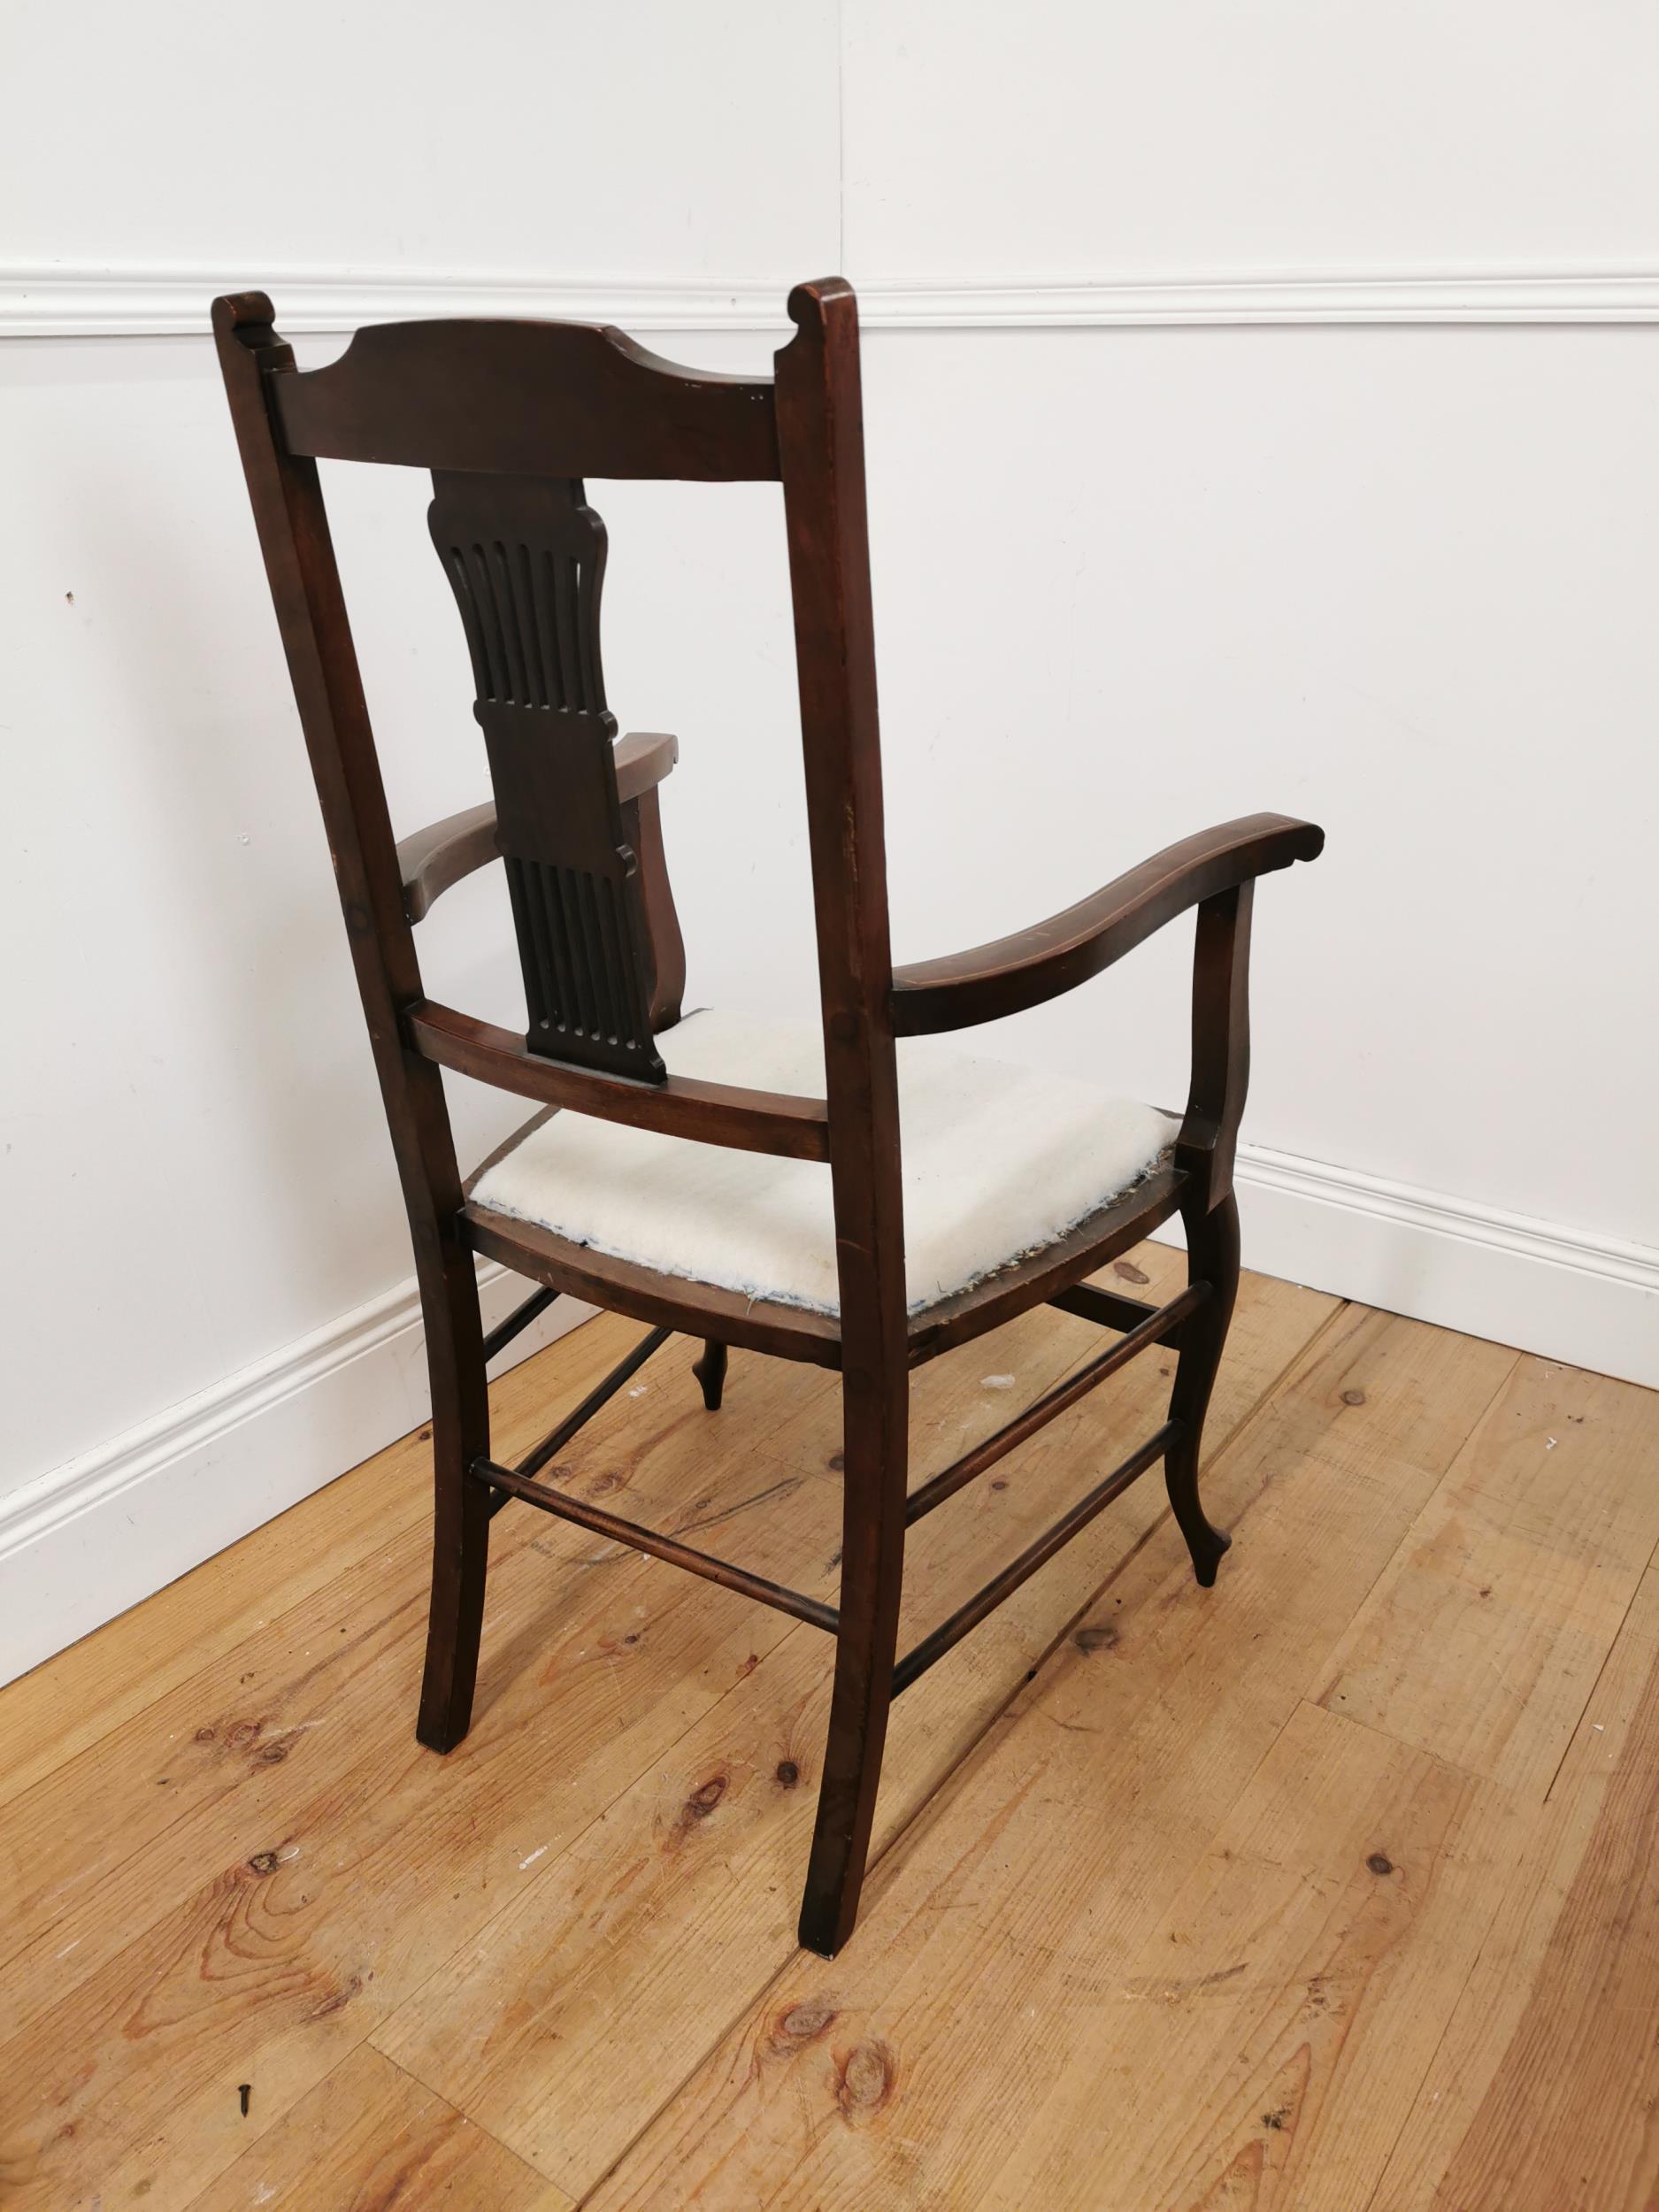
[{"x": 998, "y": 1162}]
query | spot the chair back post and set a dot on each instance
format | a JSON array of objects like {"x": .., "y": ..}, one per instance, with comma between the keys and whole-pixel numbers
[
  {"x": 294, "y": 537},
  {"x": 820, "y": 446},
  {"x": 821, "y": 438}
]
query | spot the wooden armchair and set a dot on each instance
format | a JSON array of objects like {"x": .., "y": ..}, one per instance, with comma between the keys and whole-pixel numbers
[{"x": 677, "y": 1173}]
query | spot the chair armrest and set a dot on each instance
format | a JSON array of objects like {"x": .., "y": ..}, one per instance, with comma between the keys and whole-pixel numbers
[
  {"x": 991, "y": 980},
  {"x": 644, "y": 758},
  {"x": 433, "y": 859}
]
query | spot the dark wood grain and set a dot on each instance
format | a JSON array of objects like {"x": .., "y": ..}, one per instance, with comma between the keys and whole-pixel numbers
[
  {"x": 310, "y": 610},
  {"x": 433, "y": 860},
  {"x": 639, "y": 1538},
  {"x": 1014, "y": 972},
  {"x": 518, "y": 1321},
  {"x": 527, "y": 399},
  {"x": 820, "y": 436},
  {"x": 681, "y": 1106},
  {"x": 1156, "y": 1329},
  {"x": 710, "y": 1370},
  {"x": 1107, "y": 1308},
  {"x": 935, "y": 1645},
  {"x": 1208, "y": 1140},
  {"x": 525, "y": 559},
  {"x": 1209, "y": 1213},
  {"x": 511, "y": 418},
  {"x": 1039, "y": 1278},
  {"x": 560, "y": 1434},
  {"x": 664, "y": 947},
  {"x": 704, "y": 1309}
]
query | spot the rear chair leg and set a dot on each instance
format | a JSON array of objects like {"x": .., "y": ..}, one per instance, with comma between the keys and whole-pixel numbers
[
  {"x": 711, "y": 1372},
  {"x": 1212, "y": 1248},
  {"x": 460, "y": 1535},
  {"x": 872, "y": 1570}
]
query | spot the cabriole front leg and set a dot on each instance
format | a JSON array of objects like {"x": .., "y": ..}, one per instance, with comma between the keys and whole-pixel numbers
[{"x": 1212, "y": 1246}]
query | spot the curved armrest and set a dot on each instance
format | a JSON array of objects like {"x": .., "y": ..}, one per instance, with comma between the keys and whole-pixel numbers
[
  {"x": 643, "y": 759},
  {"x": 434, "y": 859},
  {"x": 439, "y": 854},
  {"x": 1005, "y": 978}
]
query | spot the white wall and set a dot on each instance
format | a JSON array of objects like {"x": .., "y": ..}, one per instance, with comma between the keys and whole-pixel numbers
[
  {"x": 1113, "y": 142},
  {"x": 207, "y": 1311},
  {"x": 1259, "y": 415},
  {"x": 1271, "y": 421}
]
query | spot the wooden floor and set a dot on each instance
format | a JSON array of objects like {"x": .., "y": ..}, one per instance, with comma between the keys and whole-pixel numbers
[{"x": 1331, "y": 1888}]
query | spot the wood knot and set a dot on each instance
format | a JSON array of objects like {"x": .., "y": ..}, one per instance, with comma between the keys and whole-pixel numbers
[
  {"x": 1100, "y": 1637},
  {"x": 1379, "y": 1862},
  {"x": 242, "y": 1735},
  {"x": 1352, "y": 1397},
  {"x": 271, "y": 1755},
  {"x": 207, "y": 1735},
  {"x": 864, "y": 2081},
  {"x": 836, "y": 1463},
  {"x": 264, "y": 1863},
  {"x": 1130, "y": 1272},
  {"x": 788, "y": 1773},
  {"x": 1001, "y": 1483},
  {"x": 703, "y": 1800},
  {"x": 799, "y": 2024},
  {"x": 337, "y": 1999}
]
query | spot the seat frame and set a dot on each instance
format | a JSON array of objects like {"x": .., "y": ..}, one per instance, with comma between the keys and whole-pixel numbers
[{"x": 526, "y": 400}]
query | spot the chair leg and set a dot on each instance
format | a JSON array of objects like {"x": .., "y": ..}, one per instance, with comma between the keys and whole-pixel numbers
[
  {"x": 460, "y": 1536},
  {"x": 1212, "y": 1248},
  {"x": 872, "y": 1571},
  {"x": 711, "y": 1372}
]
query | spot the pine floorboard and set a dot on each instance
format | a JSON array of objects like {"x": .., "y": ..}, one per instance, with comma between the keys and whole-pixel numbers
[{"x": 1333, "y": 1889}]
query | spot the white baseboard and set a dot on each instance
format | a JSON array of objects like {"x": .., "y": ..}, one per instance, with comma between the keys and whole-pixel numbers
[
  {"x": 60, "y": 301},
  {"x": 1590, "y": 1301},
  {"x": 86, "y": 1540}
]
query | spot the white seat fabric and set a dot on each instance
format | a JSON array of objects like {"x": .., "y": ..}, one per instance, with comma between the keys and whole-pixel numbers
[{"x": 998, "y": 1161}]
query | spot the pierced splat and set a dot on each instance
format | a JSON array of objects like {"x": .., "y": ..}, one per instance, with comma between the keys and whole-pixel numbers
[{"x": 526, "y": 559}]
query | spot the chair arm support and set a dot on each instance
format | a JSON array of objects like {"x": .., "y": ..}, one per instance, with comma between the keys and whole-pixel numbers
[
  {"x": 991, "y": 980},
  {"x": 434, "y": 859}
]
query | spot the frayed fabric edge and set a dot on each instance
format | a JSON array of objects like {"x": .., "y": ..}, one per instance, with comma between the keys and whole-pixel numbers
[{"x": 755, "y": 1296}]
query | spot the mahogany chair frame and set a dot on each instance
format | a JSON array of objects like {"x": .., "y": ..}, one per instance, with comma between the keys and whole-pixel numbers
[{"x": 496, "y": 410}]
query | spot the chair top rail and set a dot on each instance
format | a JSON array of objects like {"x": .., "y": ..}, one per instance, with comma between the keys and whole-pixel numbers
[{"x": 527, "y": 399}]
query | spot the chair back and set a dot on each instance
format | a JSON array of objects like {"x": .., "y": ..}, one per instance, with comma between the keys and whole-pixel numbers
[{"x": 511, "y": 418}]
